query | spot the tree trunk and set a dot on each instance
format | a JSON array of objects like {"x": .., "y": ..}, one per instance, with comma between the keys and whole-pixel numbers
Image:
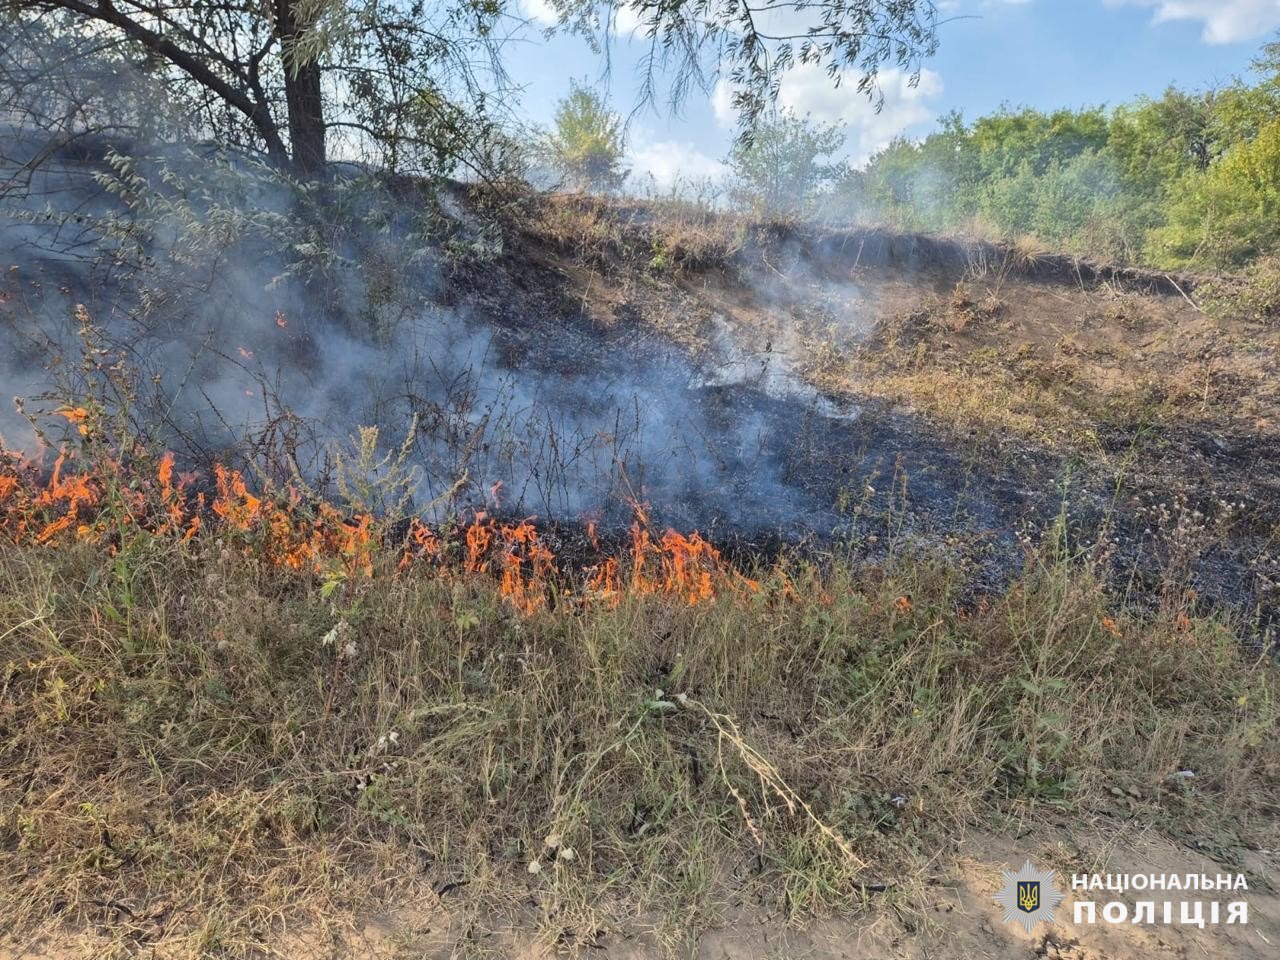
[
  {"x": 196, "y": 65},
  {"x": 302, "y": 98}
]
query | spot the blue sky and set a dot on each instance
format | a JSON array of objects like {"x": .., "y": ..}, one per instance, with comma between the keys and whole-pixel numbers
[{"x": 1039, "y": 53}]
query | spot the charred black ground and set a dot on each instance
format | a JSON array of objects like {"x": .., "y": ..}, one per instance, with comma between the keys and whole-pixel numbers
[{"x": 768, "y": 385}]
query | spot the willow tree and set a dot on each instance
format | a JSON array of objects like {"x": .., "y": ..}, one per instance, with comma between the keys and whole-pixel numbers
[
  {"x": 407, "y": 82},
  {"x": 397, "y": 82},
  {"x": 754, "y": 43}
]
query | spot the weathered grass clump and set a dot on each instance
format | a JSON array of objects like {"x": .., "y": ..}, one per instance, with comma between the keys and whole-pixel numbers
[
  {"x": 198, "y": 744},
  {"x": 1254, "y": 297}
]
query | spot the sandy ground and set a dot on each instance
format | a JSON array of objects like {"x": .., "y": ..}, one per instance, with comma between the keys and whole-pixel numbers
[{"x": 956, "y": 920}]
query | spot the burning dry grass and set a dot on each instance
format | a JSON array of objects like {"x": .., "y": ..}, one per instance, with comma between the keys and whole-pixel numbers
[
  {"x": 223, "y": 709},
  {"x": 228, "y": 704},
  {"x": 122, "y": 509}
]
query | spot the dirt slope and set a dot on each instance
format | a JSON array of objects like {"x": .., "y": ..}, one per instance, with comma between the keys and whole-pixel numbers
[{"x": 1000, "y": 386}]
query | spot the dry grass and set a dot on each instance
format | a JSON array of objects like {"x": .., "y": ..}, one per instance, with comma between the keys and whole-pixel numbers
[
  {"x": 202, "y": 744},
  {"x": 976, "y": 334},
  {"x": 658, "y": 237},
  {"x": 189, "y": 762},
  {"x": 1254, "y": 297}
]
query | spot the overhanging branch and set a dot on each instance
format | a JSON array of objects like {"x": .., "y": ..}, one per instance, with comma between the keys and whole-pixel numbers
[{"x": 257, "y": 112}]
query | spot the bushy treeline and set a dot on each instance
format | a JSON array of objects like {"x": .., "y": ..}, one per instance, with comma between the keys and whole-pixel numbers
[{"x": 1188, "y": 179}]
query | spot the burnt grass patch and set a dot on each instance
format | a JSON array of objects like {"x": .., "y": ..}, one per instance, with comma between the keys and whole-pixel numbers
[
  {"x": 1177, "y": 508},
  {"x": 1179, "y": 502}
]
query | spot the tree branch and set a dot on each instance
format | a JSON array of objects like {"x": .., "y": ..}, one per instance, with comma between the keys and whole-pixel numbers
[{"x": 258, "y": 113}]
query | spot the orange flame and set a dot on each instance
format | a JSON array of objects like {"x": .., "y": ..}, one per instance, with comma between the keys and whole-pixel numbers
[{"x": 279, "y": 529}]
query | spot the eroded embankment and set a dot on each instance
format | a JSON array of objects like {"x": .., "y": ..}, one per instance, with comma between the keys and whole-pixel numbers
[
  {"x": 1005, "y": 388},
  {"x": 757, "y": 383}
]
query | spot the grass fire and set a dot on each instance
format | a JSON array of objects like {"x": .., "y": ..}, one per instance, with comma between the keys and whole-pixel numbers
[{"x": 443, "y": 514}]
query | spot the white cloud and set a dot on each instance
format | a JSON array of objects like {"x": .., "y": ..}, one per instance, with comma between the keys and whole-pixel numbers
[
  {"x": 808, "y": 90},
  {"x": 671, "y": 162},
  {"x": 1225, "y": 21},
  {"x": 540, "y": 12},
  {"x": 543, "y": 13},
  {"x": 722, "y": 104},
  {"x": 626, "y": 21},
  {"x": 952, "y": 7}
]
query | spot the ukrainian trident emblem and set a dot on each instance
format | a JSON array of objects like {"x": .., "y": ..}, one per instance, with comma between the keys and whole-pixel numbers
[{"x": 1028, "y": 896}]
